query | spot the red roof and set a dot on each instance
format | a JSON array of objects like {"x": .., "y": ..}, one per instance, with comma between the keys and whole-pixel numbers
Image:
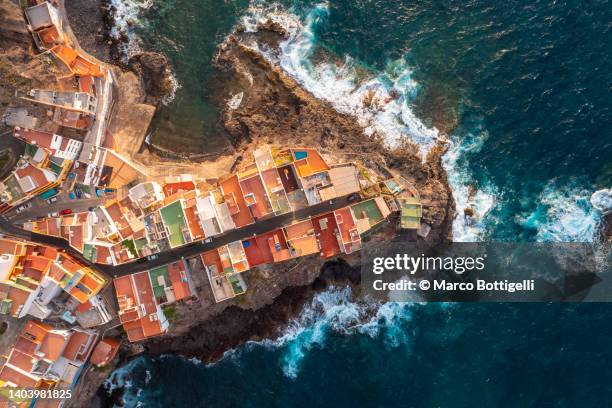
[
  {"x": 180, "y": 280},
  {"x": 105, "y": 351},
  {"x": 76, "y": 347},
  {"x": 325, "y": 229},
  {"x": 173, "y": 188}
]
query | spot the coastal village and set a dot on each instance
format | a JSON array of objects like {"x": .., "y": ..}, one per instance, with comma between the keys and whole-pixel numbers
[{"x": 109, "y": 266}]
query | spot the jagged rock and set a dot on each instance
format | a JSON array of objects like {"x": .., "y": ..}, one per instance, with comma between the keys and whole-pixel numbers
[
  {"x": 153, "y": 69},
  {"x": 271, "y": 25},
  {"x": 605, "y": 228}
]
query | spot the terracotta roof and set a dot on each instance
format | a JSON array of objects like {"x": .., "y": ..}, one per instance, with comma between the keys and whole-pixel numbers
[
  {"x": 231, "y": 187},
  {"x": 8, "y": 374},
  {"x": 105, "y": 351},
  {"x": 179, "y": 280},
  {"x": 75, "y": 349},
  {"x": 35, "y": 331},
  {"x": 25, "y": 345},
  {"x": 21, "y": 360},
  {"x": 52, "y": 346},
  {"x": 19, "y": 297}
]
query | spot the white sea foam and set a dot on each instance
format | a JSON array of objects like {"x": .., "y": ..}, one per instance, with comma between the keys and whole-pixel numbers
[
  {"x": 335, "y": 311},
  {"x": 127, "y": 14},
  {"x": 371, "y": 103},
  {"x": 468, "y": 229},
  {"x": 565, "y": 215},
  {"x": 602, "y": 200},
  {"x": 381, "y": 102},
  {"x": 174, "y": 86}
]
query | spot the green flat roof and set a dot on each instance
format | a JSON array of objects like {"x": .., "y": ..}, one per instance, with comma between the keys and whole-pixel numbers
[
  {"x": 89, "y": 252},
  {"x": 173, "y": 218},
  {"x": 370, "y": 209},
  {"x": 155, "y": 275}
]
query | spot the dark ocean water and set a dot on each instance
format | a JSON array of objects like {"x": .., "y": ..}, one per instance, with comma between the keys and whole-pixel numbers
[
  {"x": 523, "y": 91},
  {"x": 430, "y": 355}
]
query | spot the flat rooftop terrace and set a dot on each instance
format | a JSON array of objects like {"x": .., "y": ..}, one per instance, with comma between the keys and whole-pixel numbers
[
  {"x": 325, "y": 229},
  {"x": 256, "y": 196},
  {"x": 368, "y": 210},
  {"x": 174, "y": 220},
  {"x": 232, "y": 192}
]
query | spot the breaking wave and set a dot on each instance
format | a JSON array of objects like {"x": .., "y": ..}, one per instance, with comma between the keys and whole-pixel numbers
[
  {"x": 564, "y": 215},
  {"x": 602, "y": 200},
  {"x": 335, "y": 312},
  {"x": 174, "y": 86},
  {"x": 127, "y": 16},
  {"x": 468, "y": 228},
  {"x": 381, "y": 101}
]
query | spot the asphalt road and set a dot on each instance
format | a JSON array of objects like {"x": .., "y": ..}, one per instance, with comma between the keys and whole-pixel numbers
[
  {"x": 187, "y": 251},
  {"x": 40, "y": 208}
]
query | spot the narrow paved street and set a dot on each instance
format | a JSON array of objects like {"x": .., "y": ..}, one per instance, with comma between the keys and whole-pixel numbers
[{"x": 187, "y": 251}]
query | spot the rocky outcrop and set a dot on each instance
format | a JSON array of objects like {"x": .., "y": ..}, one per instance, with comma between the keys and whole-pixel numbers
[
  {"x": 153, "y": 69},
  {"x": 274, "y": 108},
  {"x": 605, "y": 228}
]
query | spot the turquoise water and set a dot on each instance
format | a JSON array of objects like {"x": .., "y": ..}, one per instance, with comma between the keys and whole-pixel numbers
[
  {"x": 522, "y": 91},
  {"x": 188, "y": 33}
]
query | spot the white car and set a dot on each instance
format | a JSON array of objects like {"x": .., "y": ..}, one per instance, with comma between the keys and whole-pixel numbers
[
  {"x": 153, "y": 257},
  {"x": 52, "y": 200},
  {"x": 53, "y": 214}
]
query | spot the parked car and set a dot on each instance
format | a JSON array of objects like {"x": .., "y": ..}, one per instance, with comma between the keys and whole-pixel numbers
[
  {"x": 53, "y": 214},
  {"x": 353, "y": 197},
  {"x": 92, "y": 209},
  {"x": 141, "y": 260},
  {"x": 208, "y": 240},
  {"x": 66, "y": 211},
  {"x": 153, "y": 257},
  {"x": 52, "y": 200}
]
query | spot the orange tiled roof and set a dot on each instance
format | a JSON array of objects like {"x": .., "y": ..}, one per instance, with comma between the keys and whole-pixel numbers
[
  {"x": 75, "y": 349},
  {"x": 21, "y": 360},
  {"x": 36, "y": 331},
  {"x": 75, "y": 62},
  {"x": 231, "y": 187},
  {"x": 8, "y": 374},
  {"x": 105, "y": 351},
  {"x": 178, "y": 278},
  {"x": 52, "y": 346}
]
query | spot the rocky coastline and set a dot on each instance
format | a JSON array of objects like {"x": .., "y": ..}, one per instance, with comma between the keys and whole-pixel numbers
[{"x": 273, "y": 109}]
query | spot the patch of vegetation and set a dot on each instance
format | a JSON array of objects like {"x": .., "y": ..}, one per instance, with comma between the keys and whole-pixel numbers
[
  {"x": 129, "y": 244},
  {"x": 171, "y": 314}
]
